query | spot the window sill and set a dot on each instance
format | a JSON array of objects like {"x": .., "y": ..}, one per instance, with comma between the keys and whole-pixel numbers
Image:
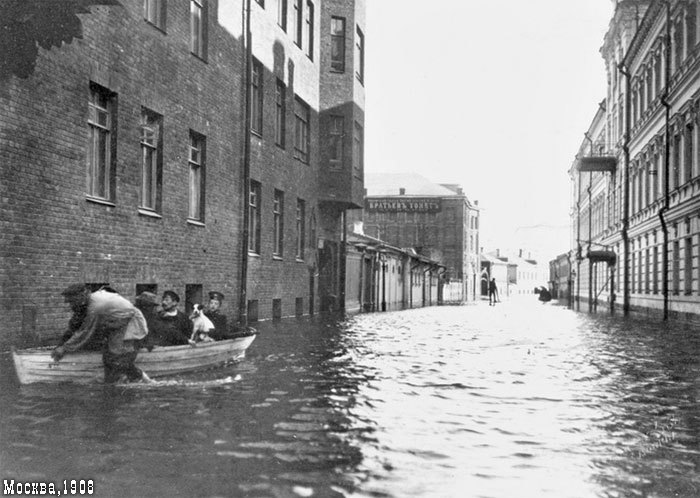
[
  {"x": 149, "y": 213},
  {"x": 199, "y": 57},
  {"x": 277, "y": 257},
  {"x": 256, "y": 133},
  {"x": 196, "y": 223},
  {"x": 97, "y": 200},
  {"x": 253, "y": 254},
  {"x": 159, "y": 28},
  {"x": 337, "y": 71},
  {"x": 281, "y": 146},
  {"x": 299, "y": 260}
]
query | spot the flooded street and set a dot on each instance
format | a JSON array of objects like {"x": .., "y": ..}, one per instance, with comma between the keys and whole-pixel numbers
[{"x": 521, "y": 399}]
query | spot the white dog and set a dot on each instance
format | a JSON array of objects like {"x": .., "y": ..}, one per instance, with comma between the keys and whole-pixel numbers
[{"x": 201, "y": 325}]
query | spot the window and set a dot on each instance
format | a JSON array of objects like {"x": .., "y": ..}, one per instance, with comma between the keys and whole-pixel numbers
[
  {"x": 676, "y": 268},
  {"x": 360, "y": 56},
  {"x": 688, "y": 267},
  {"x": 280, "y": 112},
  {"x": 358, "y": 150},
  {"x": 310, "y": 30},
  {"x": 282, "y": 14},
  {"x": 196, "y": 162},
  {"x": 300, "y": 228},
  {"x": 256, "y": 98},
  {"x": 154, "y": 12},
  {"x": 338, "y": 44},
  {"x": 198, "y": 32},
  {"x": 253, "y": 310},
  {"x": 151, "y": 160},
  {"x": 655, "y": 270},
  {"x": 298, "y": 21},
  {"x": 277, "y": 223},
  {"x": 277, "y": 309},
  {"x": 301, "y": 130},
  {"x": 337, "y": 131},
  {"x": 675, "y": 172},
  {"x": 101, "y": 158},
  {"x": 254, "y": 217},
  {"x": 689, "y": 153}
]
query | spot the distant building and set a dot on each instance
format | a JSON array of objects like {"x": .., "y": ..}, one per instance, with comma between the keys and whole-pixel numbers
[
  {"x": 437, "y": 220},
  {"x": 636, "y": 178},
  {"x": 560, "y": 277}
]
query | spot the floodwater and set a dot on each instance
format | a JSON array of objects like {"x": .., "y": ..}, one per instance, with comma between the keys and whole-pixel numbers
[{"x": 517, "y": 400}]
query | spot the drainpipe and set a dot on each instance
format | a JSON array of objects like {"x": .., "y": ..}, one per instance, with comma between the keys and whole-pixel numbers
[
  {"x": 342, "y": 263},
  {"x": 578, "y": 244},
  {"x": 667, "y": 166},
  {"x": 590, "y": 228},
  {"x": 626, "y": 195},
  {"x": 243, "y": 302}
]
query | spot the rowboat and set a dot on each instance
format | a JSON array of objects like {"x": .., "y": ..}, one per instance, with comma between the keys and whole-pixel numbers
[{"x": 37, "y": 365}]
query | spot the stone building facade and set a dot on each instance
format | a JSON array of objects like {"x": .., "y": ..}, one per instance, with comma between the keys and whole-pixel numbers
[
  {"x": 438, "y": 220},
  {"x": 123, "y": 133},
  {"x": 636, "y": 179}
]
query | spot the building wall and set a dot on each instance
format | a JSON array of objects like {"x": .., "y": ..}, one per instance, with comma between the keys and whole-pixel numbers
[
  {"x": 448, "y": 234},
  {"x": 641, "y": 48},
  {"x": 52, "y": 233}
]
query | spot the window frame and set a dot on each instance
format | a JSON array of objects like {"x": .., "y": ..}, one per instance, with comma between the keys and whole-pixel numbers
[
  {"x": 278, "y": 223},
  {"x": 302, "y": 130},
  {"x": 197, "y": 177},
  {"x": 358, "y": 149},
  {"x": 256, "y": 97},
  {"x": 282, "y": 14},
  {"x": 101, "y": 157},
  {"x": 338, "y": 40},
  {"x": 300, "y": 219},
  {"x": 280, "y": 113},
  {"x": 254, "y": 198},
  {"x": 150, "y": 198},
  {"x": 336, "y": 141},
  {"x": 154, "y": 13},
  {"x": 309, "y": 26},
  {"x": 359, "y": 55},
  {"x": 198, "y": 28},
  {"x": 299, "y": 22}
]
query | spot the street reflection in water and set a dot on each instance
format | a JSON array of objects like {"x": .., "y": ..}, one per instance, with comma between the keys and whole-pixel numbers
[{"x": 520, "y": 399}]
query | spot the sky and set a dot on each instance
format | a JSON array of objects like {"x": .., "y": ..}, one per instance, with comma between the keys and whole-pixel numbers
[{"x": 492, "y": 95}]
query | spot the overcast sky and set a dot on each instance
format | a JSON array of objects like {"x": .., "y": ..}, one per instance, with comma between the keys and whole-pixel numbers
[{"x": 493, "y": 95}]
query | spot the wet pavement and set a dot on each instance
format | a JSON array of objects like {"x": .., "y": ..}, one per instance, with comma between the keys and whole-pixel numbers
[{"x": 521, "y": 399}]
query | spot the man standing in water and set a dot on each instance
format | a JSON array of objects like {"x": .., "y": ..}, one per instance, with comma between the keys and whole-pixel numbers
[
  {"x": 112, "y": 321},
  {"x": 493, "y": 292}
]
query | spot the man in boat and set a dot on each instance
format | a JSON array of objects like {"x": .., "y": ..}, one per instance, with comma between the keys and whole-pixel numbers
[
  {"x": 147, "y": 303},
  {"x": 171, "y": 327},
  {"x": 220, "y": 321},
  {"x": 112, "y": 321}
]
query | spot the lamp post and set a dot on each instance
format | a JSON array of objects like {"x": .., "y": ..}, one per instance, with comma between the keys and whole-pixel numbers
[{"x": 382, "y": 260}]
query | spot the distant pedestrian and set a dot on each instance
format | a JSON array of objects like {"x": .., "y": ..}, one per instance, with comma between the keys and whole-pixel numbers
[{"x": 493, "y": 292}]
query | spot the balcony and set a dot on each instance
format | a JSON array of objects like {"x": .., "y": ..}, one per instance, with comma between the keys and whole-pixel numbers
[{"x": 601, "y": 159}]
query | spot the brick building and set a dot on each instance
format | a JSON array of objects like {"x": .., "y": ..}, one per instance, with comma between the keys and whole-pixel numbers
[
  {"x": 122, "y": 129},
  {"x": 439, "y": 221},
  {"x": 636, "y": 177}
]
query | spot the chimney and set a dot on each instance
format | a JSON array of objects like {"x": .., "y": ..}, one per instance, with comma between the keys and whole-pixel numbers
[{"x": 402, "y": 191}]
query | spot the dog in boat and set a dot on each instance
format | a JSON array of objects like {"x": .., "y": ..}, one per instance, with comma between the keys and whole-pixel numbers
[{"x": 201, "y": 325}]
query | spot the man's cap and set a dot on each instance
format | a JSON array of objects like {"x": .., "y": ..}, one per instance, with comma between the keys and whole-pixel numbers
[
  {"x": 74, "y": 290},
  {"x": 173, "y": 295},
  {"x": 216, "y": 295},
  {"x": 146, "y": 299}
]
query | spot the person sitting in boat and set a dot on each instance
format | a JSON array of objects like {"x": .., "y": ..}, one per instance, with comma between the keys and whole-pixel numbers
[
  {"x": 147, "y": 303},
  {"x": 171, "y": 327},
  {"x": 220, "y": 321},
  {"x": 112, "y": 321}
]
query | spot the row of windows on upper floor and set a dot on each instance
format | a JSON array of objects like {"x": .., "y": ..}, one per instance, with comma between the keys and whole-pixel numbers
[
  {"x": 335, "y": 133},
  {"x": 154, "y": 12},
  {"x": 101, "y": 171},
  {"x": 648, "y": 82}
]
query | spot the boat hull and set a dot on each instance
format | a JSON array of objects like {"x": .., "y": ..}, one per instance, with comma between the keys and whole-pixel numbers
[{"x": 36, "y": 365}]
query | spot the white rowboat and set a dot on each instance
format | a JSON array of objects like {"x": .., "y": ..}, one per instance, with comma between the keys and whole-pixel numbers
[{"x": 36, "y": 364}]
